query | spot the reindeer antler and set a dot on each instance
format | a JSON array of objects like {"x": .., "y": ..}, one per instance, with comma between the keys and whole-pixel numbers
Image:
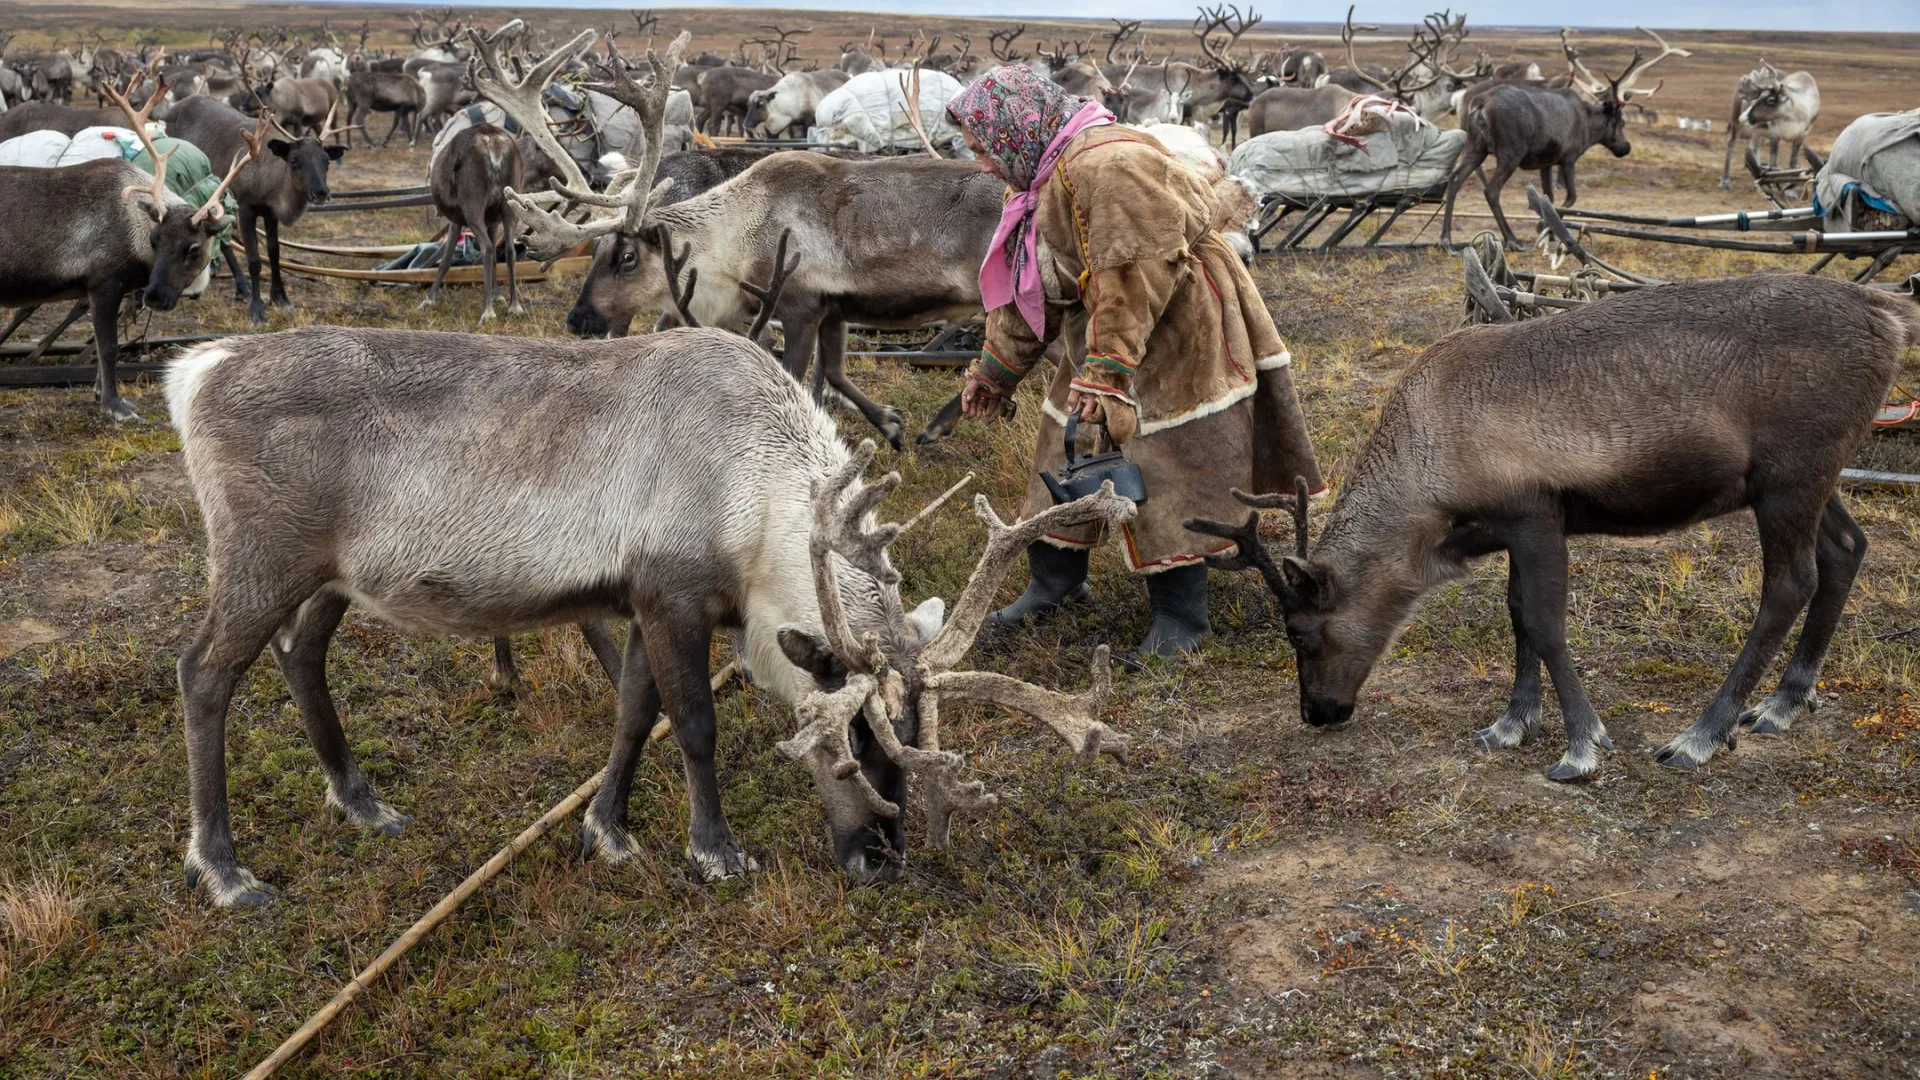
[
  {"x": 550, "y": 232},
  {"x": 1577, "y": 71},
  {"x": 254, "y": 140},
  {"x": 1223, "y": 17},
  {"x": 769, "y": 295},
  {"x": 1624, "y": 86},
  {"x": 910, "y": 91},
  {"x": 877, "y": 687},
  {"x": 138, "y": 121},
  {"x": 1250, "y": 553}
]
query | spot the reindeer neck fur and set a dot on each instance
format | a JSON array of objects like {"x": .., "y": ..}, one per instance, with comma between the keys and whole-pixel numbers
[
  {"x": 729, "y": 241},
  {"x": 1385, "y": 539}
]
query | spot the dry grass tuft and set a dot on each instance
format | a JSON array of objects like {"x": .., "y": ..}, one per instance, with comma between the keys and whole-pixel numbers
[
  {"x": 42, "y": 912},
  {"x": 71, "y": 513}
]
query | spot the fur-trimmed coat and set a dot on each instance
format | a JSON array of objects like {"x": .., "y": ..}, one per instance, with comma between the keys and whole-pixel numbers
[{"x": 1160, "y": 315}]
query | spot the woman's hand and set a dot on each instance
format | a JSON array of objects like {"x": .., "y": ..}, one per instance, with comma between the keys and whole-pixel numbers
[
  {"x": 1087, "y": 405},
  {"x": 979, "y": 400}
]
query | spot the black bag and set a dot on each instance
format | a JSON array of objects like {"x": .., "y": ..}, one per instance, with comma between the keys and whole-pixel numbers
[{"x": 1083, "y": 477}]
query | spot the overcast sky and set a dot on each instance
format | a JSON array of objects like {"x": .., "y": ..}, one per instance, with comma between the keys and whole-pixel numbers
[{"x": 1885, "y": 15}]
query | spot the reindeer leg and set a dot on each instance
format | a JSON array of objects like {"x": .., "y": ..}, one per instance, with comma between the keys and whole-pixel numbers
[
  {"x": 1546, "y": 182},
  {"x": 301, "y": 651},
  {"x": 600, "y": 640},
  {"x": 1567, "y": 179},
  {"x": 502, "y": 675},
  {"x": 800, "y": 324},
  {"x": 446, "y": 260},
  {"x": 273, "y": 262},
  {"x": 1501, "y": 173},
  {"x": 604, "y": 831},
  {"x": 677, "y": 649},
  {"x": 1537, "y": 548},
  {"x": 257, "y": 304},
  {"x": 1469, "y": 163},
  {"x": 941, "y": 425},
  {"x": 514, "y": 307},
  {"x": 833, "y": 362},
  {"x": 1838, "y": 554},
  {"x": 1789, "y": 542},
  {"x": 106, "y": 332},
  {"x": 237, "y": 625},
  {"x": 1733, "y": 135},
  {"x": 490, "y": 255},
  {"x": 234, "y": 270},
  {"x": 1520, "y": 724}
]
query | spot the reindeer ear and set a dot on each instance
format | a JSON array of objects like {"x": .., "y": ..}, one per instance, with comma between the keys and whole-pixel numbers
[
  {"x": 335, "y": 153},
  {"x": 1311, "y": 583},
  {"x": 810, "y": 654},
  {"x": 280, "y": 147},
  {"x": 928, "y": 618},
  {"x": 144, "y": 200}
]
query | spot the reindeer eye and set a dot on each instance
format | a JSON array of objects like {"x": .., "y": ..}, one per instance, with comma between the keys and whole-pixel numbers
[{"x": 627, "y": 260}]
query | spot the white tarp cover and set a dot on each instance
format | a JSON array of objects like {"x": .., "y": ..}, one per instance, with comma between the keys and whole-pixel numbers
[
  {"x": 1407, "y": 155},
  {"x": 870, "y": 112},
  {"x": 51, "y": 149},
  {"x": 1881, "y": 153}
]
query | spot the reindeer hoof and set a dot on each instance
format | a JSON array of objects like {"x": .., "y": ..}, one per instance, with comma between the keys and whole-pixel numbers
[
  {"x": 1774, "y": 715},
  {"x": 719, "y": 864}
]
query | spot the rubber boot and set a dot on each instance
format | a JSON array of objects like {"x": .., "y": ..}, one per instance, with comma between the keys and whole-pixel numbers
[
  {"x": 1178, "y": 599},
  {"x": 1058, "y": 575}
]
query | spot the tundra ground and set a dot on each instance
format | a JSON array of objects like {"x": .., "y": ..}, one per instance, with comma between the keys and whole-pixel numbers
[{"x": 1246, "y": 897}]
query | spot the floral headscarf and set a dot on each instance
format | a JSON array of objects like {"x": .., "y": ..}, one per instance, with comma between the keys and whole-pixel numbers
[
  {"x": 1024, "y": 121},
  {"x": 1015, "y": 114}
]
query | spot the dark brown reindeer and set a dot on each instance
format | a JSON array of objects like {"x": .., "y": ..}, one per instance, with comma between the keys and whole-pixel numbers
[
  {"x": 98, "y": 231},
  {"x": 469, "y": 182},
  {"x": 275, "y": 188},
  {"x": 1525, "y": 125},
  {"x": 1639, "y": 416}
]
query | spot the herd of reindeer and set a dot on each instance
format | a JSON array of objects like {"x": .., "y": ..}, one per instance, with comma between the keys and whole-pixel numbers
[{"x": 687, "y": 480}]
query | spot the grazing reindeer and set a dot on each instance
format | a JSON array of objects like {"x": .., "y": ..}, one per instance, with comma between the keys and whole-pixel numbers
[
  {"x": 715, "y": 455},
  {"x": 1784, "y": 106},
  {"x": 275, "y": 188},
  {"x": 98, "y": 231},
  {"x": 469, "y": 184},
  {"x": 923, "y": 226},
  {"x": 1529, "y": 126},
  {"x": 1639, "y": 416}
]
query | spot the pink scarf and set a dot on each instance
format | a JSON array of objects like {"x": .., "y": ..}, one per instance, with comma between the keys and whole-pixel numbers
[{"x": 1011, "y": 272}]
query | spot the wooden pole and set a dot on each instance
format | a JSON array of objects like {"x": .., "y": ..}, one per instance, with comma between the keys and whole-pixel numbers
[
  {"x": 448, "y": 904},
  {"x": 299, "y": 1039}
]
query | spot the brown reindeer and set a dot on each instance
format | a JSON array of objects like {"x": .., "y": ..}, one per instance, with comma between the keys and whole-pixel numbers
[
  {"x": 99, "y": 231},
  {"x": 1639, "y": 416},
  {"x": 274, "y": 189},
  {"x": 469, "y": 183}
]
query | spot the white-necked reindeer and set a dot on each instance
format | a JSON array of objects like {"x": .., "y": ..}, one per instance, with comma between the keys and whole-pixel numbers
[{"x": 480, "y": 485}]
